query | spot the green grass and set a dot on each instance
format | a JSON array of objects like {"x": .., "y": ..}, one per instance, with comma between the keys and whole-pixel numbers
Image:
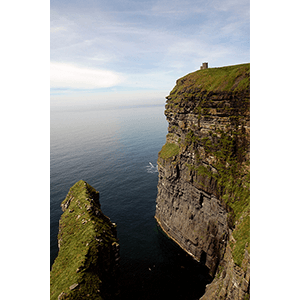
[
  {"x": 231, "y": 78},
  {"x": 79, "y": 248},
  {"x": 242, "y": 237},
  {"x": 169, "y": 150}
]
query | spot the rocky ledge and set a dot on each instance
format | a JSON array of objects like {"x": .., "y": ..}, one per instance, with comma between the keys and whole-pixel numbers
[
  {"x": 203, "y": 200},
  {"x": 87, "y": 265}
]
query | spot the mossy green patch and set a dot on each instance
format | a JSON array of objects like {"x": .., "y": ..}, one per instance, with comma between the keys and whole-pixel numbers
[{"x": 169, "y": 150}]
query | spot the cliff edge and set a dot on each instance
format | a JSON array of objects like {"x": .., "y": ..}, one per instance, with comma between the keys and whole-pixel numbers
[
  {"x": 203, "y": 200},
  {"x": 87, "y": 264}
]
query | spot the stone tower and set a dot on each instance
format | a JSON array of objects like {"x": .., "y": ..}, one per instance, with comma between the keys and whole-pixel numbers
[{"x": 204, "y": 66}]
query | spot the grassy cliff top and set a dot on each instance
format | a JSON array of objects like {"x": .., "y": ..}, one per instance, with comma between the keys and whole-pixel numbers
[
  {"x": 80, "y": 228},
  {"x": 225, "y": 79}
]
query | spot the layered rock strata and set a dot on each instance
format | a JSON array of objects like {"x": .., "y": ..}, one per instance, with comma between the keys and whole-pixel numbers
[
  {"x": 87, "y": 265},
  {"x": 203, "y": 200}
]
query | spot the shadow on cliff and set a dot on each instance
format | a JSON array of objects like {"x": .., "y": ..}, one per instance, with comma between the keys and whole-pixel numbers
[{"x": 183, "y": 277}]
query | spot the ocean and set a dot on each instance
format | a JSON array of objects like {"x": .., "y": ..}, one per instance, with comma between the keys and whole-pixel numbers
[{"x": 115, "y": 151}]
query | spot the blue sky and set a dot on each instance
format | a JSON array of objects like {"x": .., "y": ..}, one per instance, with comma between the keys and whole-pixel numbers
[{"x": 134, "y": 51}]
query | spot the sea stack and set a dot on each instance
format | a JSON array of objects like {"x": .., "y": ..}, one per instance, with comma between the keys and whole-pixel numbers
[
  {"x": 87, "y": 265},
  {"x": 203, "y": 200}
]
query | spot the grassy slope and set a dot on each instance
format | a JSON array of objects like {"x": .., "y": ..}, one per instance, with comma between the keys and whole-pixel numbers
[
  {"x": 78, "y": 247},
  {"x": 225, "y": 79}
]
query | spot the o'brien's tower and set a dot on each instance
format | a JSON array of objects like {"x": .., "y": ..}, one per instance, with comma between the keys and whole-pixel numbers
[{"x": 204, "y": 66}]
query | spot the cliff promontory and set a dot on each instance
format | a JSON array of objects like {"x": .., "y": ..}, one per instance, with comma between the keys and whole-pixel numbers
[
  {"x": 87, "y": 264},
  {"x": 203, "y": 200}
]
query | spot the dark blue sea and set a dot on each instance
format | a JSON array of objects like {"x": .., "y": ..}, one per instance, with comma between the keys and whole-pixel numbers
[{"x": 115, "y": 151}]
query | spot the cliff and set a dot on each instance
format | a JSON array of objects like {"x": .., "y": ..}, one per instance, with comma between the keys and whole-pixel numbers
[
  {"x": 88, "y": 260},
  {"x": 203, "y": 200}
]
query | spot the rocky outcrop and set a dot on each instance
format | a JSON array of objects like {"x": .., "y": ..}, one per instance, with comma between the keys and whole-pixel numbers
[
  {"x": 231, "y": 281},
  {"x": 87, "y": 265},
  {"x": 203, "y": 190}
]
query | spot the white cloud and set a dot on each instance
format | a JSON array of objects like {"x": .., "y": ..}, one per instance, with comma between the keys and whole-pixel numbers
[{"x": 64, "y": 75}]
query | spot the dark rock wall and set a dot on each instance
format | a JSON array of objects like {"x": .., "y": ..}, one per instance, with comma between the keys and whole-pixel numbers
[
  {"x": 195, "y": 219},
  {"x": 203, "y": 197}
]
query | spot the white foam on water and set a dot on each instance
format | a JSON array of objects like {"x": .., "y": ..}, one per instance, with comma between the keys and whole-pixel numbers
[{"x": 151, "y": 168}]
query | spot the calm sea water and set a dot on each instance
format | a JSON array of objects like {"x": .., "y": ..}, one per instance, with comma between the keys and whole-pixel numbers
[{"x": 116, "y": 151}]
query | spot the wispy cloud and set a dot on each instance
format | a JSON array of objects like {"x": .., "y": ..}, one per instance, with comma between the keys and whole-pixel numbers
[
  {"x": 64, "y": 75},
  {"x": 178, "y": 8},
  {"x": 56, "y": 29}
]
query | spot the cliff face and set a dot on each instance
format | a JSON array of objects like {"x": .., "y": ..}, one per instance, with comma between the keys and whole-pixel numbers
[
  {"x": 203, "y": 200},
  {"x": 87, "y": 264}
]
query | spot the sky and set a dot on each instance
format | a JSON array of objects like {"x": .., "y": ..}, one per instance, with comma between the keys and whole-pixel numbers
[{"x": 129, "y": 51}]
